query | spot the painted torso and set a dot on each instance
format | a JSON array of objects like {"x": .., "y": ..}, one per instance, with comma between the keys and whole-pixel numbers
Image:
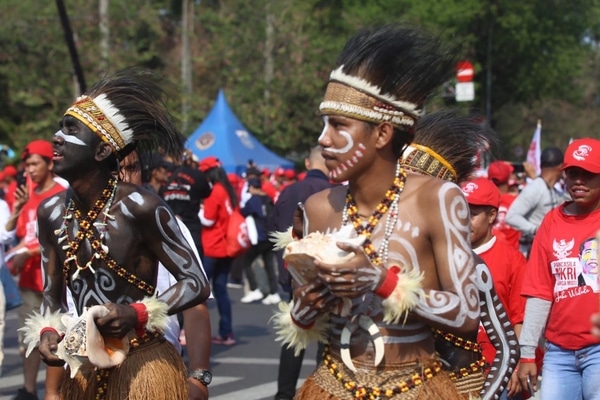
[{"x": 448, "y": 299}]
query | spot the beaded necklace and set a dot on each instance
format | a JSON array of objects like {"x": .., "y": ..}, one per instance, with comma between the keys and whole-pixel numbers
[
  {"x": 389, "y": 203},
  {"x": 85, "y": 224},
  {"x": 100, "y": 250}
]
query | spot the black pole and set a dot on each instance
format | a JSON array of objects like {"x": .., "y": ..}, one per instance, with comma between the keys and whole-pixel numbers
[{"x": 64, "y": 19}]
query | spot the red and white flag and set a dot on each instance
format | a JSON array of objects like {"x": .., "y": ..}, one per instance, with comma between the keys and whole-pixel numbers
[{"x": 535, "y": 148}]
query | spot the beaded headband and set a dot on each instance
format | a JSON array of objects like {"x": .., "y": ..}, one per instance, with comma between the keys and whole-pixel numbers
[
  {"x": 104, "y": 119},
  {"x": 354, "y": 97},
  {"x": 424, "y": 160}
]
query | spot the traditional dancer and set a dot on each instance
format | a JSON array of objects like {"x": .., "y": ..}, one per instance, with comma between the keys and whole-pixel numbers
[
  {"x": 104, "y": 240},
  {"x": 415, "y": 270}
]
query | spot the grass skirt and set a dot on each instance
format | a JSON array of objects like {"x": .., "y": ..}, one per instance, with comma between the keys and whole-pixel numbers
[
  {"x": 152, "y": 370},
  {"x": 324, "y": 385}
]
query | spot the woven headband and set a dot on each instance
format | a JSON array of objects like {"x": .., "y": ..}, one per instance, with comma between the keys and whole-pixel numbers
[
  {"x": 356, "y": 98},
  {"x": 424, "y": 160},
  {"x": 104, "y": 119}
]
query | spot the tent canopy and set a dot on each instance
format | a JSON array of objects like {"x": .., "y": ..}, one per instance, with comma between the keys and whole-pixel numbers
[{"x": 222, "y": 135}]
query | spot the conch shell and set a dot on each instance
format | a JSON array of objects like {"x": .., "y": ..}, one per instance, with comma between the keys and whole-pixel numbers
[
  {"x": 300, "y": 254},
  {"x": 83, "y": 342}
]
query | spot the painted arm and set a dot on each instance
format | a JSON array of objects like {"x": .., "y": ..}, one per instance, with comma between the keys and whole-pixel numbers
[
  {"x": 455, "y": 307},
  {"x": 175, "y": 253}
]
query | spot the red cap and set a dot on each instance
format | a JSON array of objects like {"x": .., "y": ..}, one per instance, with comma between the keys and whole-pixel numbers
[
  {"x": 499, "y": 172},
  {"x": 234, "y": 178},
  {"x": 481, "y": 192},
  {"x": 279, "y": 172},
  {"x": 266, "y": 171},
  {"x": 209, "y": 163},
  {"x": 290, "y": 173},
  {"x": 10, "y": 170},
  {"x": 39, "y": 147},
  {"x": 585, "y": 154}
]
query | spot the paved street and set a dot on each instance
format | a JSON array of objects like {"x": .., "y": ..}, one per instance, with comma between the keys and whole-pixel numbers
[{"x": 247, "y": 370}]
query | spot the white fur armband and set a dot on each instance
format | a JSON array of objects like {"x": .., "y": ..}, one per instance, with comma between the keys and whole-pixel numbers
[
  {"x": 404, "y": 297},
  {"x": 34, "y": 325},
  {"x": 157, "y": 311},
  {"x": 295, "y": 336},
  {"x": 281, "y": 239}
]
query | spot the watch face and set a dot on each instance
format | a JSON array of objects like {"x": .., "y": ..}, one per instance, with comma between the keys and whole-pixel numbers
[
  {"x": 206, "y": 377},
  {"x": 202, "y": 375}
]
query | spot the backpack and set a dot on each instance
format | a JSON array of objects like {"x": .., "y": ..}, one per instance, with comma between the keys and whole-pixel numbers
[{"x": 237, "y": 235}]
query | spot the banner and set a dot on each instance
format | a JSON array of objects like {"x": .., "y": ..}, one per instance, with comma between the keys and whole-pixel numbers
[{"x": 535, "y": 152}]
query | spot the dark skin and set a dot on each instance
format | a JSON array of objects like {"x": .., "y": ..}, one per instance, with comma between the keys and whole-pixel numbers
[{"x": 142, "y": 233}]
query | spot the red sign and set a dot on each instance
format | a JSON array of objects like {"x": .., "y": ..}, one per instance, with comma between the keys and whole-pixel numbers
[{"x": 464, "y": 71}]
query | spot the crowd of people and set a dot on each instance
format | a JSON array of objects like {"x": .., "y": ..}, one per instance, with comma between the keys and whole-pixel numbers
[{"x": 470, "y": 281}]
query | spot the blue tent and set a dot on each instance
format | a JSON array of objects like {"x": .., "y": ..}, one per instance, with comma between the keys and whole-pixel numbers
[{"x": 223, "y": 136}]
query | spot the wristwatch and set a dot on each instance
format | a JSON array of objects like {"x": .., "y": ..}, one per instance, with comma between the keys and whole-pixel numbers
[{"x": 202, "y": 375}]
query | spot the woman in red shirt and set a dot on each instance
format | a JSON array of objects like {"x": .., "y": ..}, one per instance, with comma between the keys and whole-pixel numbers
[{"x": 214, "y": 215}]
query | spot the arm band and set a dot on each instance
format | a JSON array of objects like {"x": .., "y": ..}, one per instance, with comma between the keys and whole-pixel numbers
[
  {"x": 389, "y": 283},
  {"x": 141, "y": 313}
]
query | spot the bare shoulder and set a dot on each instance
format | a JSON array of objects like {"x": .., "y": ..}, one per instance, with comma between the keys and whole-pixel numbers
[
  {"x": 430, "y": 190},
  {"x": 137, "y": 201},
  {"x": 324, "y": 209},
  {"x": 52, "y": 204}
]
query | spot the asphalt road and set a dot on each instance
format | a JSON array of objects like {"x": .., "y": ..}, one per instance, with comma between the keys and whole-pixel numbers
[{"x": 246, "y": 370}]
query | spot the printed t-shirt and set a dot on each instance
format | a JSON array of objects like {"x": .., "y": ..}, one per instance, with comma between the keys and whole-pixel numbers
[{"x": 554, "y": 272}]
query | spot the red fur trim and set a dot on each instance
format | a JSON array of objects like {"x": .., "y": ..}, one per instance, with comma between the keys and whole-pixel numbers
[
  {"x": 142, "y": 318},
  {"x": 389, "y": 283}
]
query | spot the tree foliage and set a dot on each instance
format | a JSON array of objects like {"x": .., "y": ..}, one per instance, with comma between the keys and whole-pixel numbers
[{"x": 533, "y": 59}]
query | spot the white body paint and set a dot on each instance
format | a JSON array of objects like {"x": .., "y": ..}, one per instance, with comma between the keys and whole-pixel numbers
[{"x": 70, "y": 139}]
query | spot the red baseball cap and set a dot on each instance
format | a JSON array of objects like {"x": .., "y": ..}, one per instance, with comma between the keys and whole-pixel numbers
[
  {"x": 279, "y": 172},
  {"x": 583, "y": 153},
  {"x": 499, "y": 172},
  {"x": 209, "y": 163},
  {"x": 266, "y": 171},
  {"x": 39, "y": 147},
  {"x": 481, "y": 192},
  {"x": 10, "y": 170},
  {"x": 290, "y": 174}
]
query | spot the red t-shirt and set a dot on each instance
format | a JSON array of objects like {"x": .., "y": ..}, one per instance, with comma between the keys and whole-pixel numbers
[
  {"x": 555, "y": 272},
  {"x": 217, "y": 207},
  {"x": 501, "y": 228},
  {"x": 507, "y": 266},
  {"x": 31, "y": 275}
]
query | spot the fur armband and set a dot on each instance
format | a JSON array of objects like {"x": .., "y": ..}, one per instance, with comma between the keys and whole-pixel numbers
[
  {"x": 404, "y": 296},
  {"x": 36, "y": 324},
  {"x": 152, "y": 315},
  {"x": 281, "y": 239},
  {"x": 296, "y": 337}
]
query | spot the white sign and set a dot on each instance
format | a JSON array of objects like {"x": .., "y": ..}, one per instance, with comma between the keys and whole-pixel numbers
[{"x": 465, "y": 91}]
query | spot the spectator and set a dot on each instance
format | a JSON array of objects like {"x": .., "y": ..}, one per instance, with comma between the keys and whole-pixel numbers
[
  {"x": 214, "y": 215},
  {"x": 25, "y": 256},
  {"x": 4, "y": 240},
  {"x": 10, "y": 178},
  {"x": 506, "y": 264},
  {"x": 537, "y": 198},
  {"x": 183, "y": 192},
  {"x": 556, "y": 304},
  {"x": 281, "y": 219},
  {"x": 154, "y": 175},
  {"x": 259, "y": 207},
  {"x": 500, "y": 173}
]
